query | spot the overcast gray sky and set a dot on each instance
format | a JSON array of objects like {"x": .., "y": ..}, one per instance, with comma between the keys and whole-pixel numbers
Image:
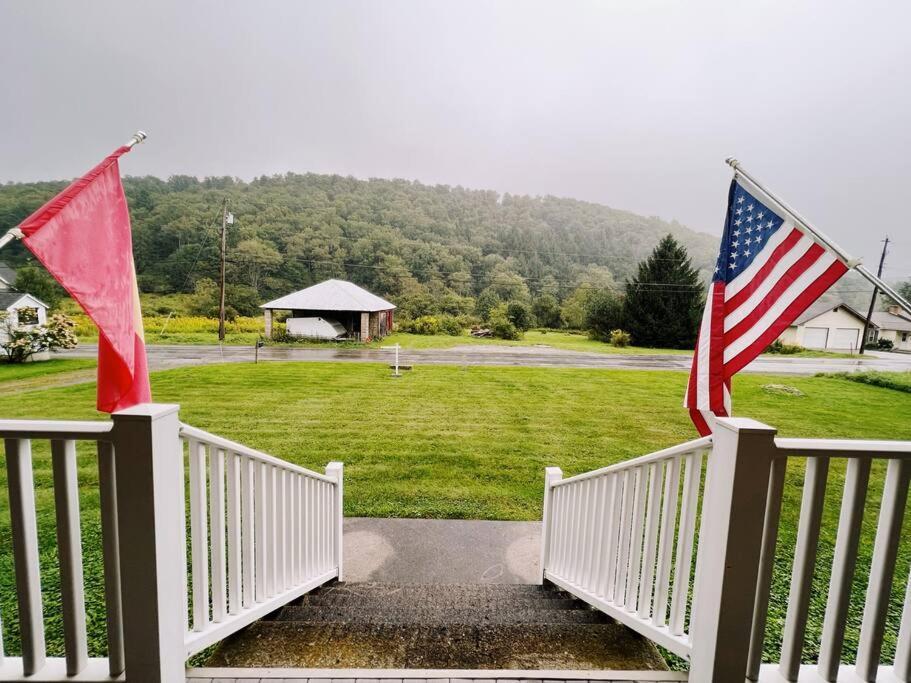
[{"x": 634, "y": 104}]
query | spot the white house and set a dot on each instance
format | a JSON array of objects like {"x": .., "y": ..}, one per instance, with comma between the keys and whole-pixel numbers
[
  {"x": 893, "y": 325},
  {"x": 836, "y": 327},
  {"x": 19, "y": 309}
]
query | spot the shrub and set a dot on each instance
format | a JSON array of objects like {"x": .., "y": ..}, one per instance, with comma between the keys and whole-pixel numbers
[
  {"x": 620, "y": 339},
  {"x": 780, "y": 347},
  {"x": 547, "y": 311},
  {"x": 603, "y": 314},
  {"x": 426, "y": 324},
  {"x": 519, "y": 314},
  {"x": 21, "y": 343},
  {"x": 500, "y": 324},
  {"x": 451, "y": 325}
]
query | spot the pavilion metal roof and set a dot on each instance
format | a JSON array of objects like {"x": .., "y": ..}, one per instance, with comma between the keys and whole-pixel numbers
[{"x": 331, "y": 295}]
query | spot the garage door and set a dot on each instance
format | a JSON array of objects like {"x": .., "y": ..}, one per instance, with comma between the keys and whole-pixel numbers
[
  {"x": 815, "y": 337},
  {"x": 845, "y": 338}
]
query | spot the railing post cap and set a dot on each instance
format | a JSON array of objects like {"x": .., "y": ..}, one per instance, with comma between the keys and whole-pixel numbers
[
  {"x": 553, "y": 473},
  {"x": 334, "y": 467},
  {"x": 744, "y": 425},
  {"x": 146, "y": 411}
]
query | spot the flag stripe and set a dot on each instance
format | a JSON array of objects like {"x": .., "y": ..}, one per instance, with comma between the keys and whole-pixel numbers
[
  {"x": 828, "y": 278},
  {"x": 778, "y": 307},
  {"x": 775, "y": 291},
  {"x": 766, "y": 267}
]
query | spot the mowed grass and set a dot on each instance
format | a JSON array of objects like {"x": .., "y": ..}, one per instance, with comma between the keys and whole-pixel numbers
[
  {"x": 10, "y": 372},
  {"x": 467, "y": 442}
]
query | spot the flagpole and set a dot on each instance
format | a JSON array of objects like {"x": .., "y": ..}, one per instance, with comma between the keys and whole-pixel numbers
[
  {"x": 16, "y": 233},
  {"x": 852, "y": 263}
]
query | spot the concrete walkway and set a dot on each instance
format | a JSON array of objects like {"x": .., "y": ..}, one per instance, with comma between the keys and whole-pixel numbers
[{"x": 441, "y": 551}]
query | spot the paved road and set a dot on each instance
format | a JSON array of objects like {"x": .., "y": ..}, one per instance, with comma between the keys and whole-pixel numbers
[{"x": 161, "y": 357}]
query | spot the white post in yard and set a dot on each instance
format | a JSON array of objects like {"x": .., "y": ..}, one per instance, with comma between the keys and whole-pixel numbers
[
  {"x": 150, "y": 509},
  {"x": 336, "y": 471},
  {"x": 551, "y": 475},
  {"x": 396, "y": 347},
  {"x": 727, "y": 568}
]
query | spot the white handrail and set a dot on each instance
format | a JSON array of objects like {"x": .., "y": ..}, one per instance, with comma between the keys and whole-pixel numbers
[
  {"x": 689, "y": 446},
  {"x": 188, "y": 432}
]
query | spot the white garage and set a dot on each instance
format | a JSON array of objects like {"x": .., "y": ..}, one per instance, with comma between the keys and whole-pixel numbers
[
  {"x": 815, "y": 337},
  {"x": 827, "y": 326}
]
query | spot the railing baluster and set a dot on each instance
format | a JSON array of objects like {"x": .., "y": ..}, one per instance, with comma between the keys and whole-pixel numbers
[
  {"x": 24, "y": 525},
  {"x": 247, "y": 521},
  {"x": 110, "y": 542},
  {"x": 656, "y": 470},
  {"x": 777, "y": 473},
  {"x": 281, "y": 523},
  {"x": 901, "y": 669},
  {"x": 235, "y": 597},
  {"x": 69, "y": 552},
  {"x": 292, "y": 527},
  {"x": 302, "y": 527},
  {"x": 636, "y": 533},
  {"x": 217, "y": 532},
  {"x": 607, "y": 535},
  {"x": 594, "y": 579},
  {"x": 560, "y": 553},
  {"x": 613, "y": 534},
  {"x": 584, "y": 551},
  {"x": 260, "y": 533},
  {"x": 666, "y": 539},
  {"x": 626, "y": 516},
  {"x": 199, "y": 541},
  {"x": 682, "y": 568},
  {"x": 271, "y": 506},
  {"x": 572, "y": 505},
  {"x": 811, "y": 507},
  {"x": 882, "y": 568},
  {"x": 857, "y": 478}
]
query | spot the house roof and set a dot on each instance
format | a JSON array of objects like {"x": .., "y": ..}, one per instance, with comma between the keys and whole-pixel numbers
[
  {"x": 890, "y": 321},
  {"x": 331, "y": 295},
  {"x": 7, "y": 274},
  {"x": 9, "y": 299},
  {"x": 819, "y": 308}
]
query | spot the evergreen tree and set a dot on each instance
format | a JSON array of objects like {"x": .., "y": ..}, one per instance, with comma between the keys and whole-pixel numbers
[{"x": 664, "y": 301}]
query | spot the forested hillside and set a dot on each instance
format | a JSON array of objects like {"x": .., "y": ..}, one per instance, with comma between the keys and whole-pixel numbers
[{"x": 400, "y": 239}]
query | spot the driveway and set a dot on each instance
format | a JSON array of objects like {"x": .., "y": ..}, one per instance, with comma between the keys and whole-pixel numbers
[{"x": 162, "y": 357}]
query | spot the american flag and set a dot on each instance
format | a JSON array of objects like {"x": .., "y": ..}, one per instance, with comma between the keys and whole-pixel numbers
[{"x": 768, "y": 272}]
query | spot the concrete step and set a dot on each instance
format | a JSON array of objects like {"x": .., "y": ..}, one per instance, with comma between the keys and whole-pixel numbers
[
  {"x": 443, "y": 601},
  {"x": 421, "y": 614},
  {"x": 393, "y": 646},
  {"x": 420, "y": 591}
]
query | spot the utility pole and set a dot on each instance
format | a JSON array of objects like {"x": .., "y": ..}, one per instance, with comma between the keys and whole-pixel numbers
[
  {"x": 221, "y": 289},
  {"x": 879, "y": 274}
]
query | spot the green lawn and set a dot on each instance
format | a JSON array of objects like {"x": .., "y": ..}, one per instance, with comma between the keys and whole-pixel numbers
[
  {"x": 464, "y": 442},
  {"x": 10, "y": 372}
]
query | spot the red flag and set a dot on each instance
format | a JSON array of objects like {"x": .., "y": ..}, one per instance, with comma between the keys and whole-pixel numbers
[{"x": 83, "y": 238}]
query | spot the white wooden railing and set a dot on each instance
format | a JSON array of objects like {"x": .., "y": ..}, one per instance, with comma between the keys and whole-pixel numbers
[
  {"x": 856, "y": 459},
  {"x": 262, "y": 532},
  {"x": 622, "y": 538},
  {"x": 610, "y": 539},
  {"x": 270, "y": 532}
]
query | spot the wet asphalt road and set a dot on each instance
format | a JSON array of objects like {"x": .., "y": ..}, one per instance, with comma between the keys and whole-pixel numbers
[{"x": 162, "y": 357}]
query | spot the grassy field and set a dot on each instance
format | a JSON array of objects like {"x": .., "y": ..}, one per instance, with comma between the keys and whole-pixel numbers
[
  {"x": 10, "y": 372},
  {"x": 466, "y": 443}
]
